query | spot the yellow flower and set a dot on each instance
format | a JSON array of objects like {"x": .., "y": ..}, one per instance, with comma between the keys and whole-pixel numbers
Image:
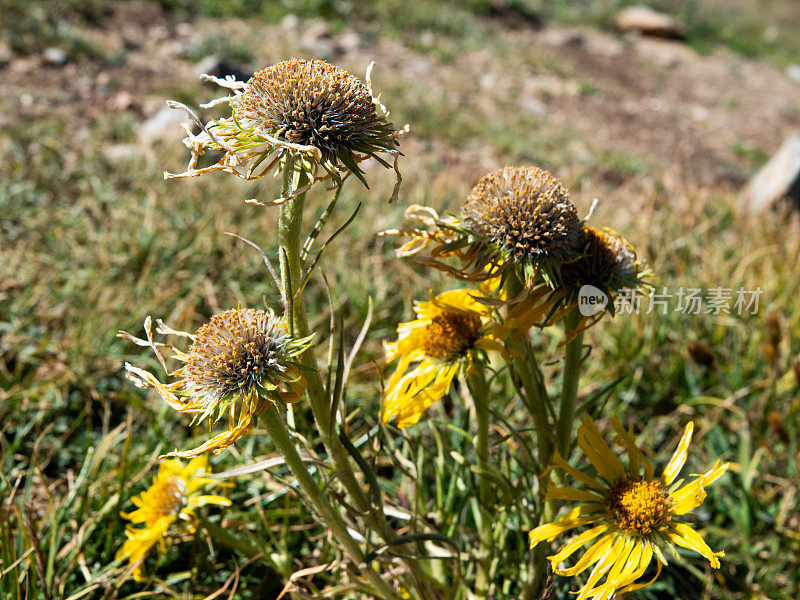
[
  {"x": 632, "y": 515},
  {"x": 173, "y": 496},
  {"x": 238, "y": 361},
  {"x": 441, "y": 340}
]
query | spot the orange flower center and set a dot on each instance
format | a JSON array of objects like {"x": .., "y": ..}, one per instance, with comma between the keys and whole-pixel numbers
[
  {"x": 169, "y": 498},
  {"x": 450, "y": 334},
  {"x": 638, "y": 507}
]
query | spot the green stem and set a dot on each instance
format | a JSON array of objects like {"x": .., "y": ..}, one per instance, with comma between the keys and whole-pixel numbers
[
  {"x": 289, "y": 229},
  {"x": 480, "y": 395},
  {"x": 535, "y": 396},
  {"x": 569, "y": 388},
  {"x": 289, "y": 226},
  {"x": 227, "y": 539},
  {"x": 276, "y": 429}
]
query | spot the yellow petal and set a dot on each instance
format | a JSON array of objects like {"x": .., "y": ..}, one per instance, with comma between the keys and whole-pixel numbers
[
  {"x": 691, "y": 495},
  {"x": 602, "y": 568},
  {"x": 417, "y": 393},
  {"x": 142, "y": 378},
  {"x": 598, "y": 551},
  {"x": 647, "y": 555},
  {"x": 559, "y": 462},
  {"x": 564, "y": 493},
  {"x": 577, "y": 542},
  {"x": 139, "y": 543},
  {"x": 624, "y": 560},
  {"x": 198, "y": 501},
  {"x": 678, "y": 459},
  {"x": 597, "y": 451},
  {"x": 686, "y": 537},
  {"x": 581, "y": 515}
]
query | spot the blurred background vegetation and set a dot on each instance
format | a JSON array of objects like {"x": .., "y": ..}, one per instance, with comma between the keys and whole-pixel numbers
[{"x": 92, "y": 240}]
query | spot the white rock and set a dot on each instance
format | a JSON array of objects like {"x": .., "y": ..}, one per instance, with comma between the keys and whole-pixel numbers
[
  {"x": 533, "y": 105},
  {"x": 290, "y": 22},
  {"x": 164, "y": 125},
  {"x": 793, "y": 72},
  {"x": 54, "y": 56},
  {"x": 121, "y": 152},
  {"x": 779, "y": 178},
  {"x": 644, "y": 20},
  {"x": 349, "y": 41},
  {"x": 6, "y": 54}
]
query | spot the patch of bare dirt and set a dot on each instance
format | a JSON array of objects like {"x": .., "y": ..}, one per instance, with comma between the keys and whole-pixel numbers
[{"x": 656, "y": 101}]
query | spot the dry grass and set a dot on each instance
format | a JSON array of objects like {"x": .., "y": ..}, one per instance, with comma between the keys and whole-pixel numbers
[{"x": 93, "y": 241}]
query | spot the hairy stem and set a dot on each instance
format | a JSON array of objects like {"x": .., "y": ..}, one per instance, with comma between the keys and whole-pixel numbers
[
  {"x": 224, "y": 537},
  {"x": 276, "y": 429},
  {"x": 480, "y": 396},
  {"x": 569, "y": 388},
  {"x": 527, "y": 369},
  {"x": 289, "y": 234}
]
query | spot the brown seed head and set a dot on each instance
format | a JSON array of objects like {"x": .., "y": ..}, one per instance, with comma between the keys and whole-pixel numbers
[
  {"x": 527, "y": 213},
  {"x": 607, "y": 261},
  {"x": 235, "y": 353},
  {"x": 308, "y": 102},
  {"x": 450, "y": 334}
]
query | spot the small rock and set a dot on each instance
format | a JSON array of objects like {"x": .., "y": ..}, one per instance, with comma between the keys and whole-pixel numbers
[
  {"x": 54, "y": 56},
  {"x": 212, "y": 65},
  {"x": 779, "y": 178},
  {"x": 6, "y": 54},
  {"x": 533, "y": 106},
  {"x": 699, "y": 113},
  {"x": 562, "y": 37},
  {"x": 120, "y": 152},
  {"x": 318, "y": 40},
  {"x": 603, "y": 44},
  {"x": 664, "y": 53},
  {"x": 349, "y": 41},
  {"x": 487, "y": 80},
  {"x": 184, "y": 29},
  {"x": 121, "y": 101},
  {"x": 290, "y": 22},
  {"x": 646, "y": 21},
  {"x": 793, "y": 72},
  {"x": 164, "y": 125}
]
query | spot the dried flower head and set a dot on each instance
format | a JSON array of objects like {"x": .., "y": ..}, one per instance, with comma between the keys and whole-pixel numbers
[
  {"x": 606, "y": 262},
  {"x": 528, "y": 215},
  {"x": 238, "y": 361},
  {"x": 313, "y": 111},
  {"x": 633, "y": 515},
  {"x": 515, "y": 220}
]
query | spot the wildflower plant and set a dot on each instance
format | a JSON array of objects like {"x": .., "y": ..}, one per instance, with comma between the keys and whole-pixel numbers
[
  {"x": 171, "y": 501},
  {"x": 499, "y": 456},
  {"x": 307, "y": 111}
]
